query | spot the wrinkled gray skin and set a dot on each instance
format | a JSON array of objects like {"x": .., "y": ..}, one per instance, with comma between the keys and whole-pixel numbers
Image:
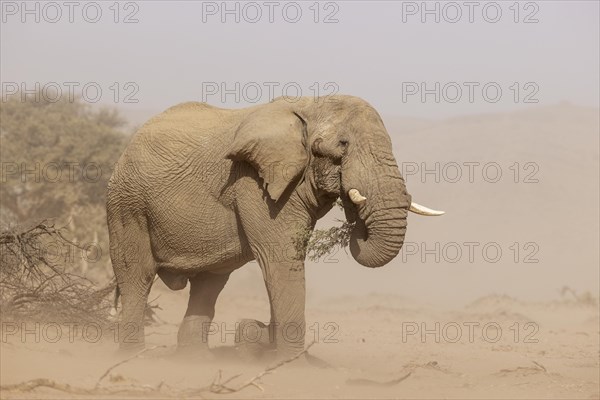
[{"x": 200, "y": 191}]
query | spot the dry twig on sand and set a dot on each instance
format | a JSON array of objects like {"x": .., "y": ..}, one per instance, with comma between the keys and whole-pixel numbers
[
  {"x": 28, "y": 386},
  {"x": 136, "y": 355},
  {"x": 410, "y": 367},
  {"x": 369, "y": 382},
  {"x": 216, "y": 387},
  {"x": 536, "y": 369},
  {"x": 220, "y": 387}
]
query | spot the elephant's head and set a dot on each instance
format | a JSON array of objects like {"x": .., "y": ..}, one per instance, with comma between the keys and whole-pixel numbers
[{"x": 338, "y": 146}]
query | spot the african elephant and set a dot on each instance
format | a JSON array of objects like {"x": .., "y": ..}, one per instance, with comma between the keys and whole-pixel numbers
[{"x": 200, "y": 191}]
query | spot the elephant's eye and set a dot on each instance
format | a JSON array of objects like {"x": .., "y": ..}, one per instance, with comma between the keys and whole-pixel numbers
[{"x": 343, "y": 143}]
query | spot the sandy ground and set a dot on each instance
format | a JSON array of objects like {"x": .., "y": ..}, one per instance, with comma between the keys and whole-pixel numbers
[
  {"x": 513, "y": 346},
  {"x": 495, "y": 347}
]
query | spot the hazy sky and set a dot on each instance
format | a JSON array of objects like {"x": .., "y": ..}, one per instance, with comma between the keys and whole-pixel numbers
[
  {"x": 385, "y": 53},
  {"x": 379, "y": 50}
]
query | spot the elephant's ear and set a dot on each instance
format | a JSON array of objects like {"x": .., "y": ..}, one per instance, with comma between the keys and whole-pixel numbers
[{"x": 273, "y": 142}]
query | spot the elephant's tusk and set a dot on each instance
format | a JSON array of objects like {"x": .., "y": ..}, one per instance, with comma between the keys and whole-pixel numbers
[
  {"x": 356, "y": 197},
  {"x": 422, "y": 210}
]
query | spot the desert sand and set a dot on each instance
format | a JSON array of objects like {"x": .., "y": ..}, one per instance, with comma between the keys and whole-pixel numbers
[
  {"x": 494, "y": 347},
  {"x": 418, "y": 327}
]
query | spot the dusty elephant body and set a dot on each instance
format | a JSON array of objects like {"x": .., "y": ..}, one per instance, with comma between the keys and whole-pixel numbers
[{"x": 200, "y": 191}]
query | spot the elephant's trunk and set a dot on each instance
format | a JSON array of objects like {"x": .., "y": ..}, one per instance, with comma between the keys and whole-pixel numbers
[
  {"x": 380, "y": 219},
  {"x": 378, "y": 237}
]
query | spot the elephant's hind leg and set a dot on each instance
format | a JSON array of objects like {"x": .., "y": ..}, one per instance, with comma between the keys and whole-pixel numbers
[
  {"x": 195, "y": 328},
  {"x": 134, "y": 269}
]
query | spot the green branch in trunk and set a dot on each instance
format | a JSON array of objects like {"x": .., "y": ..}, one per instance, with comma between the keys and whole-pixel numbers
[{"x": 319, "y": 243}]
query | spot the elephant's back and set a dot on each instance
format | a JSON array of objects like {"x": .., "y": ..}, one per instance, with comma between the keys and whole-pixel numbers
[
  {"x": 184, "y": 129},
  {"x": 174, "y": 150},
  {"x": 190, "y": 118}
]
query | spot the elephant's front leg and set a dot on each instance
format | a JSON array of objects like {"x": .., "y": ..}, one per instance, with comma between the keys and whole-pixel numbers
[
  {"x": 272, "y": 234},
  {"x": 285, "y": 333},
  {"x": 287, "y": 295},
  {"x": 284, "y": 279}
]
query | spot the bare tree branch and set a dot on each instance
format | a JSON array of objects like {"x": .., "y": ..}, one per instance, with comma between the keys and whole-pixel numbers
[{"x": 216, "y": 387}]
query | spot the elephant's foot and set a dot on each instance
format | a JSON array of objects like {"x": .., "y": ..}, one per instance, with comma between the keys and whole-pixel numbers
[
  {"x": 192, "y": 337},
  {"x": 253, "y": 340}
]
